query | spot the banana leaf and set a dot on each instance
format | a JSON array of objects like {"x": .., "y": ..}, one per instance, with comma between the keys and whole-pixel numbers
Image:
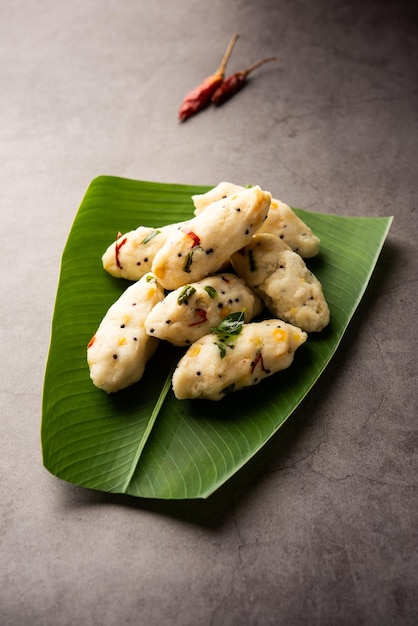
[{"x": 143, "y": 441}]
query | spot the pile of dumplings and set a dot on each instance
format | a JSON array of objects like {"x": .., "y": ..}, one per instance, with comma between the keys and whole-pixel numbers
[{"x": 241, "y": 255}]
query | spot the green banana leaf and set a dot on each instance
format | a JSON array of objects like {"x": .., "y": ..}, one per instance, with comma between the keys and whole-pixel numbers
[{"x": 142, "y": 441}]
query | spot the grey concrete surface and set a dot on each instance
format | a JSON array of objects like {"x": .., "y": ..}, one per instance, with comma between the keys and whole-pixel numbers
[{"x": 320, "y": 528}]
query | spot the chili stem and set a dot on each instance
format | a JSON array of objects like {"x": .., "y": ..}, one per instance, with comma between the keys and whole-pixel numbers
[
  {"x": 221, "y": 69},
  {"x": 257, "y": 64}
]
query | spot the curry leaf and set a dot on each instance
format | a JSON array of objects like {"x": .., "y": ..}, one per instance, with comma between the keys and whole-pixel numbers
[{"x": 230, "y": 326}]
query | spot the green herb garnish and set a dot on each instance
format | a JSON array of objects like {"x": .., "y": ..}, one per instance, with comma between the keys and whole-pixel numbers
[
  {"x": 211, "y": 291},
  {"x": 185, "y": 294},
  {"x": 188, "y": 262},
  {"x": 222, "y": 348},
  {"x": 231, "y": 325},
  {"x": 150, "y": 236},
  {"x": 228, "y": 330}
]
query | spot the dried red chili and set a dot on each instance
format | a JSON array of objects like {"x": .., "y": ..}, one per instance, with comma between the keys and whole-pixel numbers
[
  {"x": 259, "y": 359},
  {"x": 234, "y": 83},
  {"x": 195, "y": 238},
  {"x": 200, "y": 96},
  {"x": 118, "y": 246},
  {"x": 201, "y": 313}
]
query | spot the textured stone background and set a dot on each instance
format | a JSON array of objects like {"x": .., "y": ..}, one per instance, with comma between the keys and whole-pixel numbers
[{"x": 320, "y": 528}]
